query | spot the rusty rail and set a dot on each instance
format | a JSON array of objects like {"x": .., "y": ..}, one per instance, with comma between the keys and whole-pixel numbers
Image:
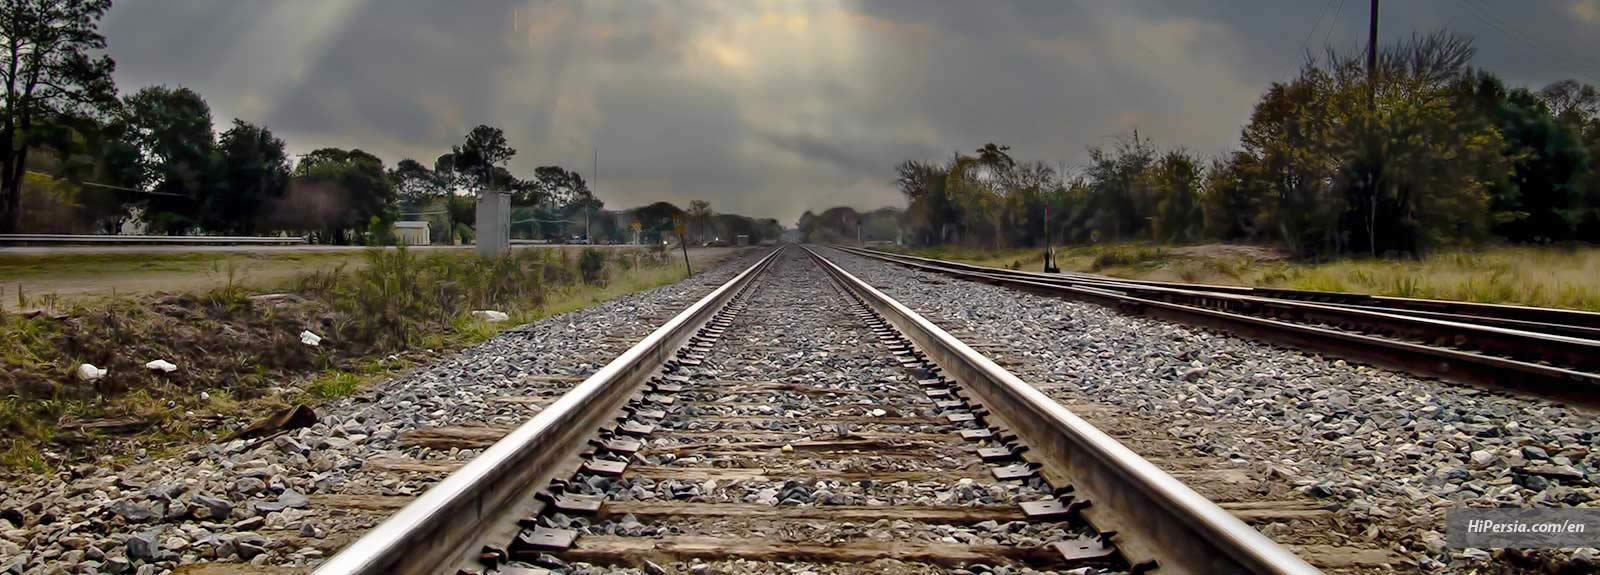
[
  {"x": 1558, "y": 366},
  {"x": 482, "y": 500},
  {"x": 1150, "y": 511}
]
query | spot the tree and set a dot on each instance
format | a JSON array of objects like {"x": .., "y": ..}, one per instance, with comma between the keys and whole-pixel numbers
[
  {"x": 654, "y": 219},
  {"x": 254, "y": 173},
  {"x": 1122, "y": 200},
  {"x": 1538, "y": 199},
  {"x": 557, "y": 185},
  {"x": 1234, "y": 204},
  {"x": 1177, "y": 177},
  {"x": 996, "y": 157},
  {"x": 930, "y": 213},
  {"x": 1571, "y": 101},
  {"x": 166, "y": 144},
  {"x": 484, "y": 149},
  {"x": 415, "y": 185},
  {"x": 46, "y": 61},
  {"x": 336, "y": 192},
  {"x": 699, "y": 213}
]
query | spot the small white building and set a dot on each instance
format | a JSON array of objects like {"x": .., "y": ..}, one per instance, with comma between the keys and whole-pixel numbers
[{"x": 411, "y": 233}]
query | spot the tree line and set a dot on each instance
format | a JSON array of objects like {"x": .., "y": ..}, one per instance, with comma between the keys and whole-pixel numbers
[
  {"x": 84, "y": 159},
  {"x": 1426, "y": 152}
]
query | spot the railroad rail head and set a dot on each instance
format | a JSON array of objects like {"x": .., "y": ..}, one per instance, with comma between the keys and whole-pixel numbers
[
  {"x": 483, "y": 499},
  {"x": 1147, "y": 508},
  {"x": 1560, "y": 367}
]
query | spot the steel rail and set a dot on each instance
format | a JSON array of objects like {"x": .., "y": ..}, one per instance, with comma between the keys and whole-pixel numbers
[
  {"x": 438, "y": 530},
  {"x": 1183, "y": 530},
  {"x": 1514, "y": 343},
  {"x": 161, "y": 240},
  {"x": 1557, "y": 321},
  {"x": 1565, "y": 383}
]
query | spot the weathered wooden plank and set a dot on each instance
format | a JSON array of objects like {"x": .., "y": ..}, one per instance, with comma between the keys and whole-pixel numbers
[
  {"x": 920, "y": 513},
  {"x": 757, "y": 474},
  {"x": 875, "y": 445},
  {"x": 1265, "y": 511},
  {"x": 854, "y": 420},
  {"x": 1337, "y": 557},
  {"x": 534, "y": 404},
  {"x": 362, "y": 502},
  {"x": 626, "y": 550},
  {"x": 458, "y": 436},
  {"x": 1250, "y": 511},
  {"x": 731, "y": 387},
  {"x": 806, "y": 435},
  {"x": 554, "y": 378},
  {"x": 411, "y": 465}
]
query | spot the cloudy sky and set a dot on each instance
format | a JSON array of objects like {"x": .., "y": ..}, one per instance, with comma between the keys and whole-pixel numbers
[{"x": 772, "y": 108}]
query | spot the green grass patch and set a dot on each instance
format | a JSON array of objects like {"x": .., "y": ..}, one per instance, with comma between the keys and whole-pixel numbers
[
  {"x": 1560, "y": 276},
  {"x": 334, "y": 385}
]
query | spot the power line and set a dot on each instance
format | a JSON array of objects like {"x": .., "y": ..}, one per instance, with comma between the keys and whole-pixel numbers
[
  {"x": 107, "y": 186},
  {"x": 1337, "y": 10},
  {"x": 1306, "y": 43},
  {"x": 1528, "y": 44}
]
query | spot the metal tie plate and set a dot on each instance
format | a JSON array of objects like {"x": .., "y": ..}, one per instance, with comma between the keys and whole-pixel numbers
[
  {"x": 949, "y": 403},
  {"x": 939, "y": 392},
  {"x": 1048, "y": 510},
  {"x": 604, "y": 467},
  {"x": 959, "y": 416},
  {"x": 635, "y": 428},
  {"x": 622, "y": 445},
  {"x": 976, "y": 434},
  {"x": 545, "y": 539},
  {"x": 677, "y": 378},
  {"x": 649, "y": 413},
  {"x": 1010, "y": 472},
  {"x": 578, "y": 504},
  {"x": 994, "y": 454},
  {"x": 1084, "y": 549},
  {"x": 668, "y": 387},
  {"x": 661, "y": 399}
]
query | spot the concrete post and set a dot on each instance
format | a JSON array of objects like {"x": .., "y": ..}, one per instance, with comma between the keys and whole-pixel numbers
[{"x": 494, "y": 224}]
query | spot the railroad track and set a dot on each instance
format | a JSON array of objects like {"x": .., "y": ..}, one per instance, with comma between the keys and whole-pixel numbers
[
  {"x": 1550, "y": 352},
  {"x": 799, "y": 418}
]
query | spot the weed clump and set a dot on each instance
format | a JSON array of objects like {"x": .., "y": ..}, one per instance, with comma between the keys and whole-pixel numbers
[
  {"x": 1126, "y": 256},
  {"x": 231, "y": 343},
  {"x": 592, "y": 266}
]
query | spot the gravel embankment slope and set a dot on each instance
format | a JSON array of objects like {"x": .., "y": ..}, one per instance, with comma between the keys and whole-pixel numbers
[
  {"x": 1388, "y": 451},
  {"x": 255, "y": 502}
]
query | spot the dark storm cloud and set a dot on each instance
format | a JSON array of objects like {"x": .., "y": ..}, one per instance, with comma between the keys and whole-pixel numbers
[{"x": 773, "y": 108}]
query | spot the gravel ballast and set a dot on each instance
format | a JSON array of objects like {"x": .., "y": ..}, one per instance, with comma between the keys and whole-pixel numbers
[
  {"x": 1388, "y": 451},
  {"x": 256, "y": 501}
]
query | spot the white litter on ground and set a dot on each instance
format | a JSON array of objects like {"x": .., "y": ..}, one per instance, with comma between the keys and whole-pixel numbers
[
  {"x": 88, "y": 372},
  {"x": 311, "y": 339},
  {"x": 163, "y": 365},
  {"x": 490, "y": 315}
]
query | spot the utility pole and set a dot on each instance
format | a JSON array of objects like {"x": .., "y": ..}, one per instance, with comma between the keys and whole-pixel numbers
[
  {"x": 1372, "y": 57},
  {"x": 1372, "y": 111},
  {"x": 588, "y": 205}
]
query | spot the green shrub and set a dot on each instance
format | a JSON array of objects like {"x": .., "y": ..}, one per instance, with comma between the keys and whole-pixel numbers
[
  {"x": 335, "y": 385},
  {"x": 1126, "y": 256},
  {"x": 592, "y": 266}
]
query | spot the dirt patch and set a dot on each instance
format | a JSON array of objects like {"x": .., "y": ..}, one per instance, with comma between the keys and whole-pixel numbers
[{"x": 1231, "y": 251}]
